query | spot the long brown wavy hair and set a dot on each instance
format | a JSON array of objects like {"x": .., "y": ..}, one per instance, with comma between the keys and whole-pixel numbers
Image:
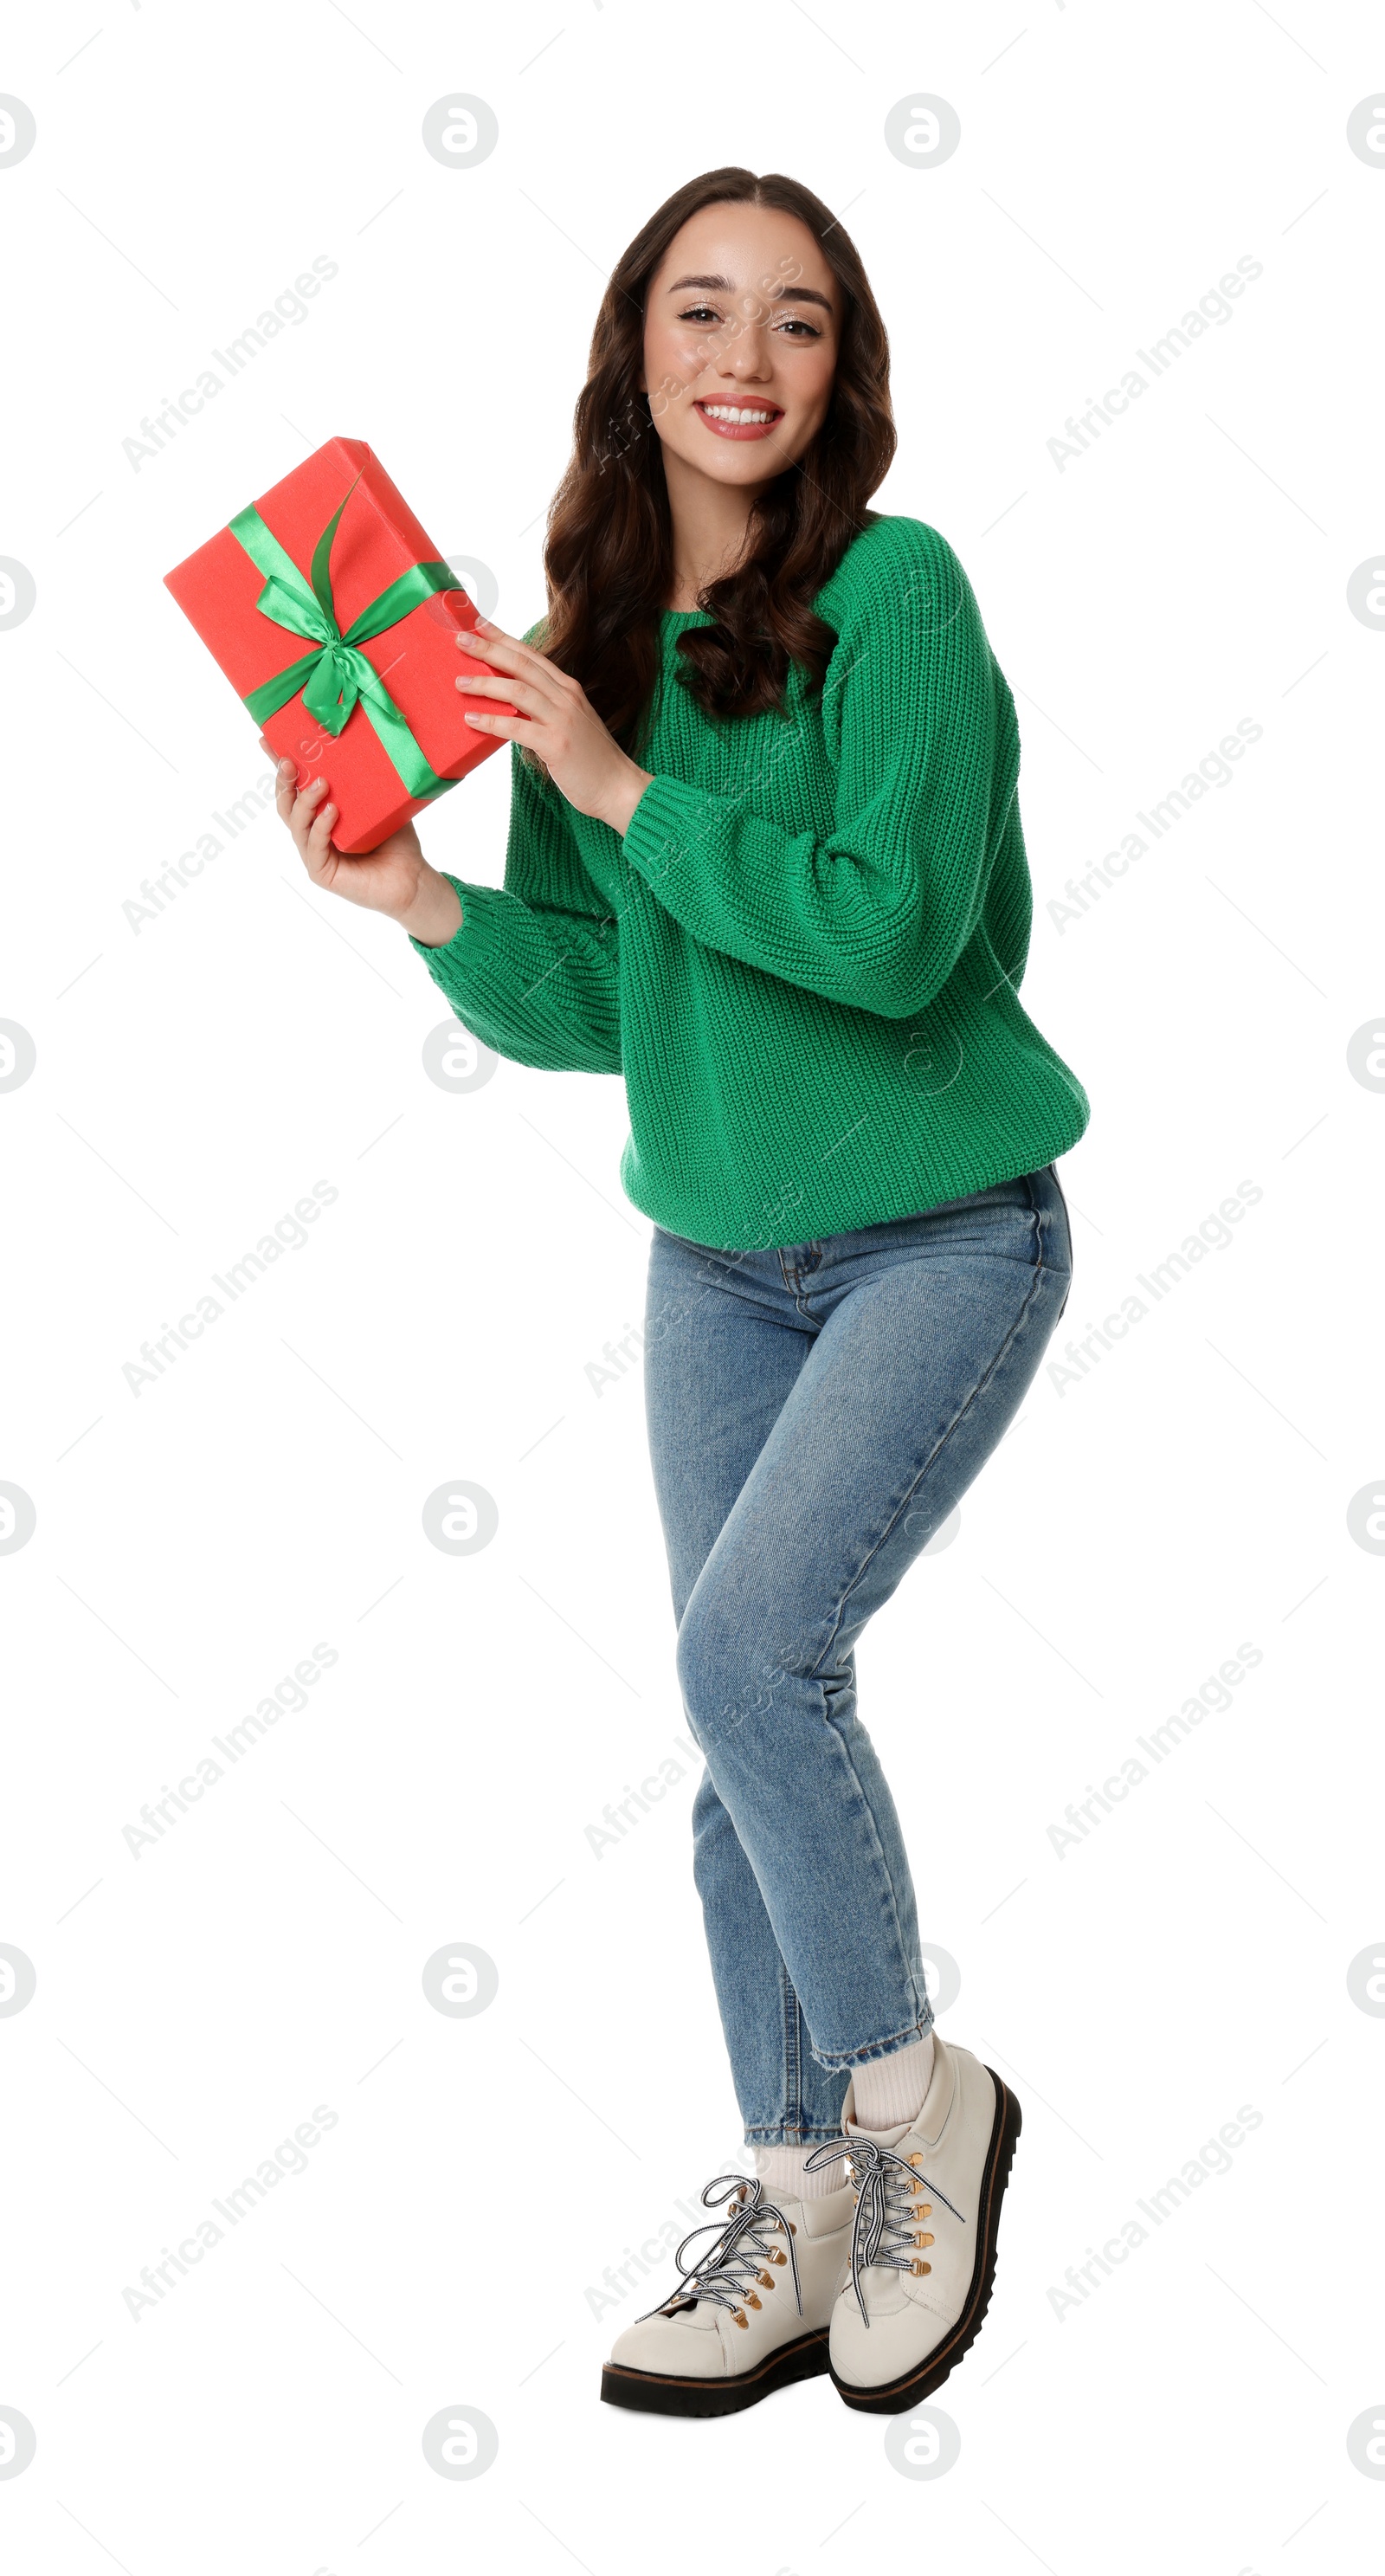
[{"x": 608, "y": 558}]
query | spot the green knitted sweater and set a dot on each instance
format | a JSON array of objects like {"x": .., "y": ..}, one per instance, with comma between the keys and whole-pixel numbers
[{"x": 804, "y": 954}]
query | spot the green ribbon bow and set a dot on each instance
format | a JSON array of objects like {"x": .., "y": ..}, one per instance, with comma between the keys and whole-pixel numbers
[{"x": 336, "y": 676}]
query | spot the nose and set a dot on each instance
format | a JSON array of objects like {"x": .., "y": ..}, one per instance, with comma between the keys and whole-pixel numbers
[
  {"x": 745, "y": 373},
  {"x": 748, "y": 353}
]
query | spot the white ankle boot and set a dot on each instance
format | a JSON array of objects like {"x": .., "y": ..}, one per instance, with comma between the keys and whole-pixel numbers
[
  {"x": 749, "y": 2316},
  {"x": 923, "y": 2239}
]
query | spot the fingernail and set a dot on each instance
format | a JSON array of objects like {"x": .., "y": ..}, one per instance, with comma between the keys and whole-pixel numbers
[
  {"x": 318, "y": 782},
  {"x": 329, "y": 809}
]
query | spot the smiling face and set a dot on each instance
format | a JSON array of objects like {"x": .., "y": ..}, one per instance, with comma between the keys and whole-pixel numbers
[{"x": 742, "y": 326}]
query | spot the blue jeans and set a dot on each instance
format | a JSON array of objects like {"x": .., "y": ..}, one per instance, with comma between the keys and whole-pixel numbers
[{"x": 815, "y": 1413}]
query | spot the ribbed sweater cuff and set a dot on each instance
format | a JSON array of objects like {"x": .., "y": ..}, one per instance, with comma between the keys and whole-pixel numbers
[
  {"x": 471, "y": 943},
  {"x": 666, "y": 816}
]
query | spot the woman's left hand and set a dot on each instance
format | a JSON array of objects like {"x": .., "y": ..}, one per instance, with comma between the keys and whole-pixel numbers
[{"x": 557, "y": 721}]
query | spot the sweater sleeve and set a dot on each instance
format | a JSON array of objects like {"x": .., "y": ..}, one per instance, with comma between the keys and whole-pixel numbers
[
  {"x": 534, "y": 969},
  {"x": 876, "y": 910}
]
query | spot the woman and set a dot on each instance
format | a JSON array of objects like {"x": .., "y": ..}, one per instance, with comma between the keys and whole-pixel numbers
[{"x": 765, "y": 860}]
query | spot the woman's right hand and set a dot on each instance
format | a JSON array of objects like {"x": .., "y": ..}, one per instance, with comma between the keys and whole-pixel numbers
[{"x": 395, "y": 879}]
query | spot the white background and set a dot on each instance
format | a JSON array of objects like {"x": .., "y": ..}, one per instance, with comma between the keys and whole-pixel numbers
[{"x": 196, "y": 1073}]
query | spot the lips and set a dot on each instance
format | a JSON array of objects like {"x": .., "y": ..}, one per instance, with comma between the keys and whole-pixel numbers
[{"x": 741, "y": 428}]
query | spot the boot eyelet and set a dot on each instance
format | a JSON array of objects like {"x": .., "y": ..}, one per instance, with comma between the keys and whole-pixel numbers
[
  {"x": 916, "y": 2268},
  {"x": 752, "y": 2301},
  {"x": 773, "y": 2255},
  {"x": 765, "y": 2279},
  {"x": 742, "y": 2319},
  {"x": 923, "y": 2239}
]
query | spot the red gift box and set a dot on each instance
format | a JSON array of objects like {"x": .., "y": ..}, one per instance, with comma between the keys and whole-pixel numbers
[{"x": 328, "y": 585}]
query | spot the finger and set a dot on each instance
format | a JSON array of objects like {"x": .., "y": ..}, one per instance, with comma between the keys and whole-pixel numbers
[
  {"x": 308, "y": 799},
  {"x": 520, "y": 693},
  {"x": 509, "y": 728},
  {"x": 304, "y": 808},
  {"x": 546, "y": 684},
  {"x": 284, "y": 776},
  {"x": 320, "y": 837},
  {"x": 491, "y": 643}
]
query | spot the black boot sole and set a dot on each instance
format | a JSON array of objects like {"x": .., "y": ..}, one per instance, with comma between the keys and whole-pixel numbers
[
  {"x": 657, "y": 2392},
  {"x": 898, "y": 2395}
]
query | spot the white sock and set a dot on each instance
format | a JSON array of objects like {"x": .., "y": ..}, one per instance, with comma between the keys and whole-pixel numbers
[
  {"x": 781, "y": 2170},
  {"x": 890, "y": 2089}
]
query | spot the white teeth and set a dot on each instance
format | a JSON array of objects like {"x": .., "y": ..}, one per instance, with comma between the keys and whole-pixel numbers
[{"x": 726, "y": 411}]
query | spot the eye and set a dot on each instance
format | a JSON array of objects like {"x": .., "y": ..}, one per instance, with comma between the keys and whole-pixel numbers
[{"x": 792, "y": 322}]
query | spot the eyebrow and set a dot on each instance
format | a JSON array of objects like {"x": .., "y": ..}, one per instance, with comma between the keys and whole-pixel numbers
[{"x": 786, "y": 294}]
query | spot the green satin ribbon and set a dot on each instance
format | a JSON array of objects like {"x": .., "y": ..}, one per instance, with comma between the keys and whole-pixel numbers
[{"x": 336, "y": 676}]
